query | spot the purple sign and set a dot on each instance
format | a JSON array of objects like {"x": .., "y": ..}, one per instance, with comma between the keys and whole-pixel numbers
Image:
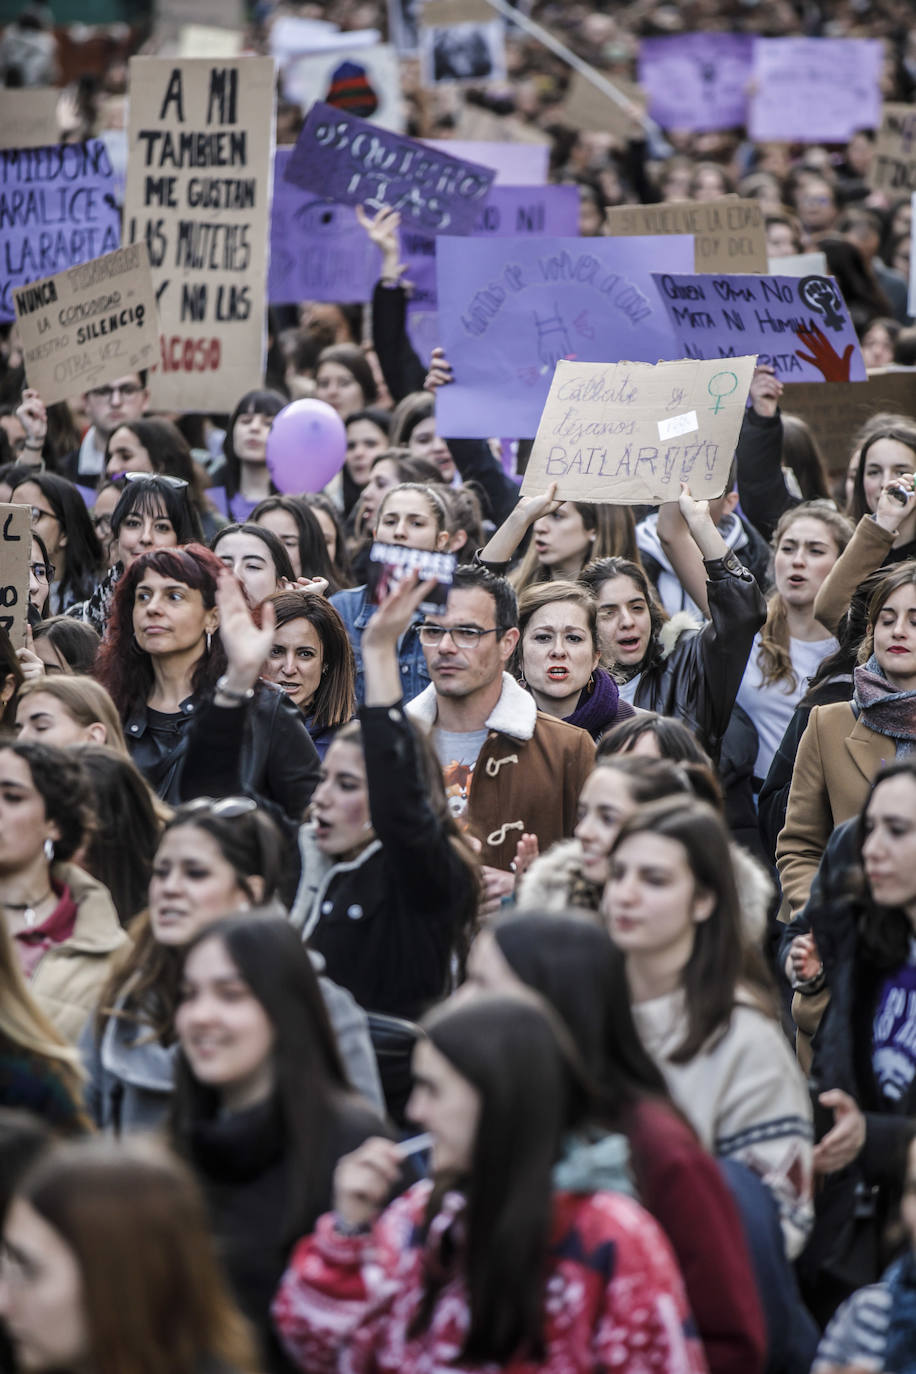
[
  {"x": 799, "y": 326},
  {"x": 697, "y": 80},
  {"x": 318, "y": 251},
  {"x": 813, "y": 90},
  {"x": 57, "y": 209},
  {"x": 515, "y": 164},
  {"x": 357, "y": 163},
  {"x": 509, "y": 211},
  {"x": 509, "y": 309}
]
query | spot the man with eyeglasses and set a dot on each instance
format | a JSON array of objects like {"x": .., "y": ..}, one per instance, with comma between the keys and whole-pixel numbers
[
  {"x": 108, "y": 406},
  {"x": 509, "y": 769}
]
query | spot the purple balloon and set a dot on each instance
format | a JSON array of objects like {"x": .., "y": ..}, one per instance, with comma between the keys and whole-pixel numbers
[{"x": 306, "y": 446}]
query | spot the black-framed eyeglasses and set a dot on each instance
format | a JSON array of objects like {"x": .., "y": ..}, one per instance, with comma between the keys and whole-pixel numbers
[
  {"x": 42, "y": 571},
  {"x": 36, "y": 513},
  {"x": 176, "y": 483},
  {"x": 105, "y": 393},
  {"x": 227, "y": 807},
  {"x": 463, "y": 636}
]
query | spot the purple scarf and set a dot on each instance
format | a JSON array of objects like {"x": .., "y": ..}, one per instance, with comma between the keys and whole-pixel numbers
[{"x": 599, "y": 708}]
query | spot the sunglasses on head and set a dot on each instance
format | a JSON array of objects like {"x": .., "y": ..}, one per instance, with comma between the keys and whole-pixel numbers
[
  {"x": 176, "y": 483},
  {"x": 227, "y": 807}
]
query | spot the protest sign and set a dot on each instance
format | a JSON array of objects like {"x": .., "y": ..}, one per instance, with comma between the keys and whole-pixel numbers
[
  {"x": 730, "y": 234},
  {"x": 28, "y": 117},
  {"x": 911, "y": 299},
  {"x": 799, "y": 326},
  {"x": 403, "y": 26},
  {"x": 836, "y": 412},
  {"x": 798, "y": 265},
  {"x": 354, "y": 162},
  {"x": 697, "y": 80},
  {"x": 477, "y": 125},
  {"x": 57, "y": 208},
  {"x": 510, "y": 308},
  {"x": 507, "y": 211},
  {"x": 515, "y": 164},
  {"x": 198, "y": 193},
  {"x": 171, "y": 15},
  {"x": 815, "y": 90},
  {"x": 588, "y": 108},
  {"x": 893, "y": 167},
  {"x": 291, "y": 36},
  {"x": 205, "y": 40},
  {"x": 462, "y": 54},
  {"x": 364, "y": 81},
  {"x": 318, "y": 250},
  {"x": 89, "y": 324},
  {"x": 631, "y": 433},
  {"x": 15, "y": 542}
]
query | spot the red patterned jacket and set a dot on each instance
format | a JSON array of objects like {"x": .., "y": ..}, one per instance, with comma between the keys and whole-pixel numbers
[{"x": 614, "y": 1297}]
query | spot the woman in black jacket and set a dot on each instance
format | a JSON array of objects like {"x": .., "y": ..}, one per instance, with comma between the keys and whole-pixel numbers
[
  {"x": 165, "y": 666},
  {"x": 263, "y": 1109}
]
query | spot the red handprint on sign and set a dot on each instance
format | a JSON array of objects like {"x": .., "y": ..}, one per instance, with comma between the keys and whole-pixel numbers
[{"x": 823, "y": 355}]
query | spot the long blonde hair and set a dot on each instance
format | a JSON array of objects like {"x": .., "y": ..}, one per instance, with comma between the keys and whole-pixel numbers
[
  {"x": 774, "y": 657},
  {"x": 25, "y": 1025}
]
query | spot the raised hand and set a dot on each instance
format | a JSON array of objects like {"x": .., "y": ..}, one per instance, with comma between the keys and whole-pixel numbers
[
  {"x": 440, "y": 371},
  {"x": 896, "y": 501},
  {"x": 766, "y": 389},
  {"x": 382, "y": 229},
  {"x": 396, "y": 612},
  {"x": 246, "y": 645},
  {"x": 33, "y": 417},
  {"x": 364, "y": 1180},
  {"x": 823, "y": 355},
  {"x": 316, "y": 586}
]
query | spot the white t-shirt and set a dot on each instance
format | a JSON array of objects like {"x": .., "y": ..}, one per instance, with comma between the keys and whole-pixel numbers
[{"x": 771, "y": 707}]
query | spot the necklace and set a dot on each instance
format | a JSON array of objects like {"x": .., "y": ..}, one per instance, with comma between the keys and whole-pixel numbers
[{"x": 29, "y": 914}]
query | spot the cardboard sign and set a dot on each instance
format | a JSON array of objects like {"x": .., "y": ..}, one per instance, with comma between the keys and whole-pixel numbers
[
  {"x": 57, "y": 208},
  {"x": 507, "y": 212},
  {"x": 798, "y": 265},
  {"x": 198, "y": 193},
  {"x": 799, "y": 326},
  {"x": 355, "y": 162},
  {"x": 462, "y": 54},
  {"x": 364, "y": 81},
  {"x": 836, "y": 412},
  {"x": 893, "y": 167},
  {"x": 586, "y": 107},
  {"x": 509, "y": 309},
  {"x": 629, "y": 433},
  {"x": 89, "y": 325},
  {"x": 815, "y": 90},
  {"x": 28, "y": 117},
  {"x": 730, "y": 234},
  {"x": 911, "y": 299},
  {"x": 697, "y": 81},
  {"x": 15, "y": 543},
  {"x": 204, "y": 40}
]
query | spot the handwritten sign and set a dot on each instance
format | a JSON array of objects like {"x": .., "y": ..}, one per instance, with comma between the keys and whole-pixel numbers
[
  {"x": 588, "y": 108},
  {"x": 893, "y": 167},
  {"x": 28, "y": 117},
  {"x": 836, "y": 412},
  {"x": 349, "y": 160},
  {"x": 364, "y": 81},
  {"x": 509, "y": 309},
  {"x": 730, "y": 233},
  {"x": 813, "y": 90},
  {"x": 799, "y": 326},
  {"x": 508, "y": 211},
  {"x": 697, "y": 80},
  {"x": 318, "y": 249},
  {"x": 57, "y": 208},
  {"x": 515, "y": 164},
  {"x": 198, "y": 193},
  {"x": 89, "y": 325},
  {"x": 798, "y": 265},
  {"x": 630, "y": 433},
  {"x": 15, "y": 542}
]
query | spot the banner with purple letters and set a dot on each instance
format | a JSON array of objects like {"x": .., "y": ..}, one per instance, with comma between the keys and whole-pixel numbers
[{"x": 697, "y": 80}]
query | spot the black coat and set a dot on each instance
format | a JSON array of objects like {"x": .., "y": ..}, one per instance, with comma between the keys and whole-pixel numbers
[
  {"x": 261, "y": 749},
  {"x": 762, "y": 488},
  {"x": 388, "y": 923}
]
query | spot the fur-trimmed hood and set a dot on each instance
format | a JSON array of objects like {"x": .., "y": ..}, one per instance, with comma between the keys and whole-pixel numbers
[
  {"x": 515, "y": 714},
  {"x": 681, "y": 623}
]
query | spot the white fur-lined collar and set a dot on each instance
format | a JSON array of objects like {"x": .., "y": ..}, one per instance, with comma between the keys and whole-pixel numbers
[
  {"x": 515, "y": 714},
  {"x": 672, "y": 630}
]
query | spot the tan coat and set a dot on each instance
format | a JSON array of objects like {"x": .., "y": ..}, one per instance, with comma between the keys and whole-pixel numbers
[
  {"x": 866, "y": 551},
  {"x": 837, "y": 761},
  {"x": 69, "y": 978}
]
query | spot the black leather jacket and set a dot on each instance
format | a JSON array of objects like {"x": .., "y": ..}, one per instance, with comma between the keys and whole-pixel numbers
[{"x": 277, "y": 765}]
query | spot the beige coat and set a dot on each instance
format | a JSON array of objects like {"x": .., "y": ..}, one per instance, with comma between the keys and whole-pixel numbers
[
  {"x": 837, "y": 761},
  {"x": 866, "y": 551},
  {"x": 69, "y": 978}
]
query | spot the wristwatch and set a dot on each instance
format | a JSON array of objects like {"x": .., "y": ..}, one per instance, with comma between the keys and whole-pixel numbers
[{"x": 730, "y": 566}]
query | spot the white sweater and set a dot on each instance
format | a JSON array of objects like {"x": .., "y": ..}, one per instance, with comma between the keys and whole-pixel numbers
[{"x": 745, "y": 1097}]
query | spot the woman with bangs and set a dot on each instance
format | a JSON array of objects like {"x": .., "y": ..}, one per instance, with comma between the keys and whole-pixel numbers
[
  {"x": 158, "y": 448},
  {"x": 296, "y": 524},
  {"x": 153, "y": 512},
  {"x": 244, "y": 476},
  {"x": 168, "y": 669}
]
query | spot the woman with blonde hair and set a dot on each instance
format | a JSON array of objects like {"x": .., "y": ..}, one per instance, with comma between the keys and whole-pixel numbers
[
  {"x": 65, "y": 709},
  {"x": 39, "y": 1071}
]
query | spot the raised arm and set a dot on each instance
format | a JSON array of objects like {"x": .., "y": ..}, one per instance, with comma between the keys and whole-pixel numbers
[
  {"x": 762, "y": 488},
  {"x": 690, "y": 538},
  {"x": 498, "y": 550},
  {"x": 870, "y": 544}
]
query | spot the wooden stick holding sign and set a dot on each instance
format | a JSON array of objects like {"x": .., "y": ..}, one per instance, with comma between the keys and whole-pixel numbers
[
  {"x": 631, "y": 433},
  {"x": 15, "y": 543}
]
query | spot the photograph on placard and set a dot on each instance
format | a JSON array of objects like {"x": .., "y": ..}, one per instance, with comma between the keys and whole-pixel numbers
[
  {"x": 403, "y": 28},
  {"x": 364, "y": 82},
  {"x": 457, "y": 54}
]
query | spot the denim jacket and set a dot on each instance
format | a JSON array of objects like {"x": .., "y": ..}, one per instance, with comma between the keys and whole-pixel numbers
[{"x": 356, "y": 611}]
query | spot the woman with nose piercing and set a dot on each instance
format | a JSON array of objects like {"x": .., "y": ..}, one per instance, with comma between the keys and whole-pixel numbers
[{"x": 311, "y": 660}]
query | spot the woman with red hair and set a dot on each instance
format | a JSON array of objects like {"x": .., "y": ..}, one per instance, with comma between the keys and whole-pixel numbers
[{"x": 168, "y": 665}]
